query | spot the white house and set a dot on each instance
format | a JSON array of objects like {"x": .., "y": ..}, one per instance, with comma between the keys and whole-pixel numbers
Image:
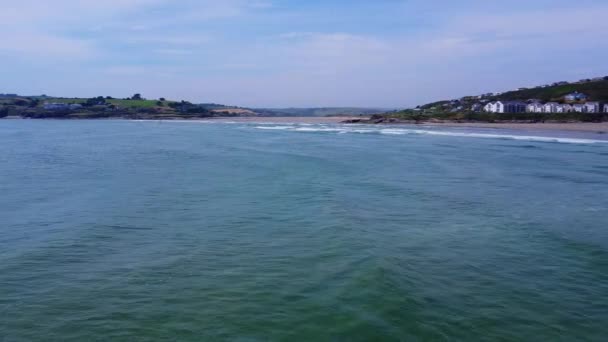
[
  {"x": 576, "y": 96},
  {"x": 563, "y": 108},
  {"x": 551, "y": 107},
  {"x": 606, "y": 108},
  {"x": 505, "y": 107},
  {"x": 579, "y": 108},
  {"x": 494, "y": 107},
  {"x": 535, "y": 107},
  {"x": 592, "y": 107},
  {"x": 55, "y": 106}
]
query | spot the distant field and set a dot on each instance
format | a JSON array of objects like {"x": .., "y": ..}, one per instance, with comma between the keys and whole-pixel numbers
[
  {"x": 596, "y": 90},
  {"x": 116, "y": 102},
  {"x": 134, "y": 103},
  {"x": 63, "y": 100},
  {"x": 239, "y": 111}
]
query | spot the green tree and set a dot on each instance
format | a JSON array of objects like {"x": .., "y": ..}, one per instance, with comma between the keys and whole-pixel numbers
[
  {"x": 34, "y": 103},
  {"x": 137, "y": 97},
  {"x": 95, "y": 101}
]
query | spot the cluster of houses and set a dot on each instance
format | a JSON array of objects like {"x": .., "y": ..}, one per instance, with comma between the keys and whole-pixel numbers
[
  {"x": 61, "y": 106},
  {"x": 575, "y": 102}
]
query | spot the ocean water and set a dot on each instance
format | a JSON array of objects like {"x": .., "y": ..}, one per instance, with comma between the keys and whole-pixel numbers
[{"x": 188, "y": 231}]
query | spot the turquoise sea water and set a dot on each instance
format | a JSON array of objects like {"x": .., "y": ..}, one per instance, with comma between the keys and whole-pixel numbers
[{"x": 139, "y": 231}]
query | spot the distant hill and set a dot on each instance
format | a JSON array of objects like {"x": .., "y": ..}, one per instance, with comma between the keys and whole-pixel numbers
[
  {"x": 43, "y": 106},
  {"x": 467, "y": 108},
  {"x": 595, "y": 90},
  {"x": 136, "y": 107},
  {"x": 318, "y": 112}
]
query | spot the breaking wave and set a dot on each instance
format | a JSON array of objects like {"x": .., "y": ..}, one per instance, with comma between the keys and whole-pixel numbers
[{"x": 345, "y": 129}]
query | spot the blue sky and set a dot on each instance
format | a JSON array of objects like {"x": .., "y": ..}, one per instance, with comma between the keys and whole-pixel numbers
[{"x": 273, "y": 53}]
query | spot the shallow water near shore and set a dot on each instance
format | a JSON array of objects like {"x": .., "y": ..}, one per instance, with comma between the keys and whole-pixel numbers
[{"x": 137, "y": 231}]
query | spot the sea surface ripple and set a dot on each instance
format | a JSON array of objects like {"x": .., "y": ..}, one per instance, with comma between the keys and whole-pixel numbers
[{"x": 139, "y": 231}]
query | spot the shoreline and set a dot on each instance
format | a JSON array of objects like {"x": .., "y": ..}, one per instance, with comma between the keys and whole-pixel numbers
[
  {"x": 287, "y": 119},
  {"x": 587, "y": 127}
]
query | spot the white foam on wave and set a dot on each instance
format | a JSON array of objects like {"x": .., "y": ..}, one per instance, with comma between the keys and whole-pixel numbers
[
  {"x": 395, "y": 131},
  {"x": 275, "y": 128},
  {"x": 178, "y": 121},
  {"x": 404, "y": 131},
  {"x": 322, "y": 129},
  {"x": 511, "y": 137}
]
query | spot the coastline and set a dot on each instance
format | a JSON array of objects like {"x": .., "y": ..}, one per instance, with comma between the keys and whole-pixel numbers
[
  {"x": 587, "y": 127},
  {"x": 287, "y": 119}
]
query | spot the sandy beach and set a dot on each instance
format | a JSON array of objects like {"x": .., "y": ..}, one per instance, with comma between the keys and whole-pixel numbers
[
  {"x": 289, "y": 119},
  {"x": 588, "y": 127},
  {"x": 601, "y": 127}
]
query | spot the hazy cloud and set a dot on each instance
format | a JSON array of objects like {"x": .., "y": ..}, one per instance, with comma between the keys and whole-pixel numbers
[{"x": 262, "y": 53}]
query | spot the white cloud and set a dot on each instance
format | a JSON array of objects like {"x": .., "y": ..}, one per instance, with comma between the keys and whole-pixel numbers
[
  {"x": 462, "y": 53},
  {"x": 66, "y": 11},
  {"x": 36, "y": 45},
  {"x": 170, "y": 40}
]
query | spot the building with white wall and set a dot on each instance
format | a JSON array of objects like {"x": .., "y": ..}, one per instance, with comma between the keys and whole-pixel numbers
[
  {"x": 55, "y": 106},
  {"x": 579, "y": 108},
  {"x": 535, "y": 107},
  {"x": 576, "y": 96},
  {"x": 563, "y": 108},
  {"x": 494, "y": 107},
  {"x": 551, "y": 107},
  {"x": 592, "y": 107},
  {"x": 505, "y": 107}
]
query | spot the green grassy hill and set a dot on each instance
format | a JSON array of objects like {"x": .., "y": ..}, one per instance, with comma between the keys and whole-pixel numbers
[
  {"x": 596, "y": 90},
  {"x": 100, "y": 107},
  {"x": 97, "y": 107},
  {"x": 116, "y": 102},
  {"x": 461, "y": 109}
]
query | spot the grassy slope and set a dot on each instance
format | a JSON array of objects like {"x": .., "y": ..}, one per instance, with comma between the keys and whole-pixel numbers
[
  {"x": 597, "y": 91},
  {"x": 117, "y": 102},
  {"x": 134, "y": 103}
]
